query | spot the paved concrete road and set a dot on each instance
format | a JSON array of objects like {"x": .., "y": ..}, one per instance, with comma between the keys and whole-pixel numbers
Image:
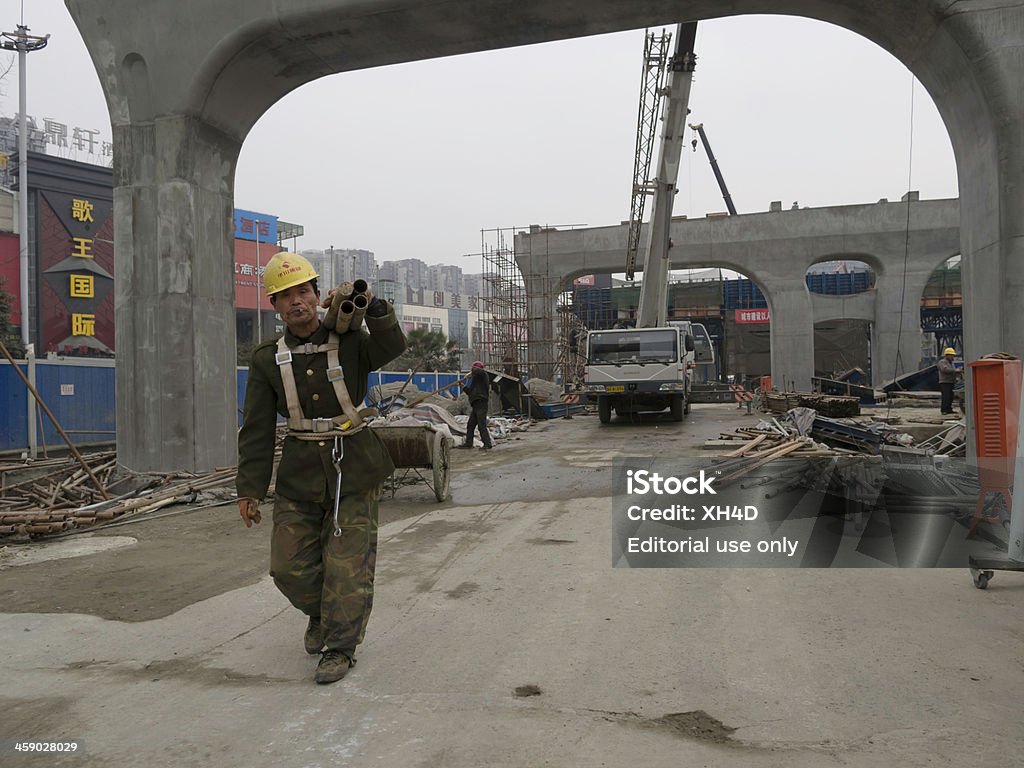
[{"x": 501, "y": 636}]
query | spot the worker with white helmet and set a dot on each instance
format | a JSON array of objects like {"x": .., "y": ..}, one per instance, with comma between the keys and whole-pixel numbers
[
  {"x": 948, "y": 374},
  {"x": 324, "y": 539}
]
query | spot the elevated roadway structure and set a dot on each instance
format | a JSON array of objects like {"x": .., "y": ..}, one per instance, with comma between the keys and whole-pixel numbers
[
  {"x": 185, "y": 84},
  {"x": 903, "y": 242}
]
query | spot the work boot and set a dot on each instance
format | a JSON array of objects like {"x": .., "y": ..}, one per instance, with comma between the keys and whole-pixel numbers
[
  {"x": 314, "y": 637},
  {"x": 486, "y": 447},
  {"x": 333, "y": 666},
  {"x": 464, "y": 445}
]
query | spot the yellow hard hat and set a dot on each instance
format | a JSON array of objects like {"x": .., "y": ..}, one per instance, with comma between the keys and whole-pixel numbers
[
  {"x": 949, "y": 351},
  {"x": 285, "y": 270}
]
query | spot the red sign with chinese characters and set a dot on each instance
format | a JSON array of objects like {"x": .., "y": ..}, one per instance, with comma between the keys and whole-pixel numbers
[
  {"x": 249, "y": 274},
  {"x": 10, "y": 271},
  {"x": 744, "y": 316},
  {"x": 76, "y": 274}
]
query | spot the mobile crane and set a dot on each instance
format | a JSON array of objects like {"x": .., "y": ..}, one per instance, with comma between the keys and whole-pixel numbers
[
  {"x": 650, "y": 367},
  {"x": 699, "y": 129}
]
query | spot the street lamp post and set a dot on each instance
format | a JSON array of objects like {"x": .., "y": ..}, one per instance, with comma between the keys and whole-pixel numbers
[
  {"x": 24, "y": 43},
  {"x": 259, "y": 314}
]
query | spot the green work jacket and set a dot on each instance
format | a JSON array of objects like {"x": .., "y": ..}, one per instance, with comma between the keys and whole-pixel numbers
[{"x": 306, "y": 472}]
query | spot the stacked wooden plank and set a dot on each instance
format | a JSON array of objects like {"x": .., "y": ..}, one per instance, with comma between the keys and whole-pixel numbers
[
  {"x": 833, "y": 406},
  {"x": 781, "y": 402},
  {"x": 756, "y": 446}
]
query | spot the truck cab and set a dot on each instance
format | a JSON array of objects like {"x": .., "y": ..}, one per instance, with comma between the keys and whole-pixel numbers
[{"x": 635, "y": 370}]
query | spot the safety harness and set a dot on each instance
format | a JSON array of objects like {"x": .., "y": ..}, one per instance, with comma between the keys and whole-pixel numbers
[
  {"x": 352, "y": 419},
  {"x": 301, "y": 428}
]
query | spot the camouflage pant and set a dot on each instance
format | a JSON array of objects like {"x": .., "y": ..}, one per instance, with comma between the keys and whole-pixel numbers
[{"x": 326, "y": 575}]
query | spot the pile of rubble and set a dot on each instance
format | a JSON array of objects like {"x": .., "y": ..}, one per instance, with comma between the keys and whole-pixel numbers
[
  {"x": 448, "y": 422},
  {"x": 406, "y": 394},
  {"x": 804, "y": 432}
]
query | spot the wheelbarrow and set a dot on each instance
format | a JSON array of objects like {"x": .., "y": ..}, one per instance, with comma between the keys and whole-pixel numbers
[{"x": 416, "y": 449}]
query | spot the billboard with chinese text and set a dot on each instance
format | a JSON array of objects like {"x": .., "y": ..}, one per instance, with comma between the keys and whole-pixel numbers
[
  {"x": 746, "y": 316},
  {"x": 76, "y": 273},
  {"x": 258, "y": 227},
  {"x": 249, "y": 273}
]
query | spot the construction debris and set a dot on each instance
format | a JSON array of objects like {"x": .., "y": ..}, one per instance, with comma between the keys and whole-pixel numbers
[
  {"x": 53, "y": 483},
  {"x": 838, "y": 436},
  {"x": 866, "y": 395},
  {"x": 544, "y": 391},
  {"x": 835, "y": 406},
  {"x": 452, "y": 425},
  {"x": 399, "y": 394},
  {"x": 55, "y": 495}
]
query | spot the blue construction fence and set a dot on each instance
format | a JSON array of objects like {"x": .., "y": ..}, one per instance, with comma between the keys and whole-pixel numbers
[{"x": 80, "y": 393}]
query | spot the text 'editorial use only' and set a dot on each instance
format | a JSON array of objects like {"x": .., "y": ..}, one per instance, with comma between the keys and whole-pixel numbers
[{"x": 686, "y": 513}]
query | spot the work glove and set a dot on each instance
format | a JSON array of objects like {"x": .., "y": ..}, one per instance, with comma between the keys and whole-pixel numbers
[
  {"x": 377, "y": 307},
  {"x": 249, "y": 509}
]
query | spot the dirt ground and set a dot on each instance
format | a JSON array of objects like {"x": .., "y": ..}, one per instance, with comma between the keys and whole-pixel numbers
[
  {"x": 186, "y": 554},
  {"x": 501, "y": 635}
]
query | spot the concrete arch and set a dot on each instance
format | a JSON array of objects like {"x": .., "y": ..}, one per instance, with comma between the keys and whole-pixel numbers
[
  {"x": 229, "y": 61},
  {"x": 775, "y": 250},
  {"x": 875, "y": 264},
  {"x": 857, "y": 306}
]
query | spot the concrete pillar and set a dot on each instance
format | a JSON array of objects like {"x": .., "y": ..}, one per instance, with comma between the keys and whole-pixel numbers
[
  {"x": 792, "y": 334},
  {"x": 896, "y": 349},
  {"x": 175, "y": 319},
  {"x": 541, "y": 308}
]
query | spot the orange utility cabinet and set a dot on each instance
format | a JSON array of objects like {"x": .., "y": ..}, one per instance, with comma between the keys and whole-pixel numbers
[{"x": 996, "y": 387}]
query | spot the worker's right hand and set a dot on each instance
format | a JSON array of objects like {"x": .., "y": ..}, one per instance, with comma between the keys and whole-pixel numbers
[{"x": 249, "y": 509}]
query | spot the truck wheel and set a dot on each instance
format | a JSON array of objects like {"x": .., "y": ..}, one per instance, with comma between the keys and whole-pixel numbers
[
  {"x": 604, "y": 409},
  {"x": 677, "y": 408}
]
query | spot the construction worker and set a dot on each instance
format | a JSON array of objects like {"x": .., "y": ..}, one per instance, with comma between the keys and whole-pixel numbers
[
  {"x": 948, "y": 374},
  {"x": 324, "y": 540},
  {"x": 478, "y": 392}
]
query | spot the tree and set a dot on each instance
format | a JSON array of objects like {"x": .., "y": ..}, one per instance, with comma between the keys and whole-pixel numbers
[
  {"x": 427, "y": 351},
  {"x": 10, "y": 338}
]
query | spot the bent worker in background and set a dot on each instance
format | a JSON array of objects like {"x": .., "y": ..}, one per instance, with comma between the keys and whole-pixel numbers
[
  {"x": 324, "y": 541},
  {"x": 479, "y": 394},
  {"x": 948, "y": 374}
]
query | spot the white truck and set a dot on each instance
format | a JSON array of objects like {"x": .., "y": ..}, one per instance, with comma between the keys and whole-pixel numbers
[{"x": 635, "y": 370}]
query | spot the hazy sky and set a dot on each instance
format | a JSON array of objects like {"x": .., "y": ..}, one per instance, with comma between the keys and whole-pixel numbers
[{"x": 414, "y": 160}]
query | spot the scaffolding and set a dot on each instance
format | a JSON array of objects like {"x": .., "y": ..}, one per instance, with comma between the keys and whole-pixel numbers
[
  {"x": 572, "y": 340},
  {"x": 503, "y": 320}
]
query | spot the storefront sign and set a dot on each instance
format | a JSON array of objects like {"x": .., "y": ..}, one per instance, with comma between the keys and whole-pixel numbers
[{"x": 745, "y": 316}]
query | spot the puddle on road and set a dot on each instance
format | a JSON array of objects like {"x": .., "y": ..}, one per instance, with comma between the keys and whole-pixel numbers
[{"x": 527, "y": 690}]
